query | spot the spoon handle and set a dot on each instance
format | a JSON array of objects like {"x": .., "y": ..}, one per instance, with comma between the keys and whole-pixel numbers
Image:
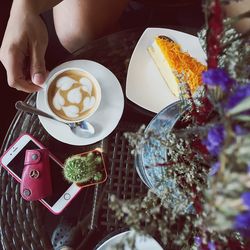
[{"x": 20, "y": 105}]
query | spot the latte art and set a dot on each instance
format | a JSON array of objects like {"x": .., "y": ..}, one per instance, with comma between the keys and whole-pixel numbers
[{"x": 72, "y": 95}]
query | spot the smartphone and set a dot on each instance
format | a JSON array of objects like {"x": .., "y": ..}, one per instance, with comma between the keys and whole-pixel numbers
[{"x": 63, "y": 191}]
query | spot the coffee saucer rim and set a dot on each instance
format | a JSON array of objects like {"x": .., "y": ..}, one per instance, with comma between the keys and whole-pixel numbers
[{"x": 112, "y": 107}]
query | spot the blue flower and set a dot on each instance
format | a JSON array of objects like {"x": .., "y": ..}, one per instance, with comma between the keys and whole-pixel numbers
[
  {"x": 214, "y": 140},
  {"x": 246, "y": 199},
  {"x": 242, "y": 223},
  {"x": 214, "y": 169},
  {"x": 217, "y": 77},
  {"x": 239, "y": 94}
]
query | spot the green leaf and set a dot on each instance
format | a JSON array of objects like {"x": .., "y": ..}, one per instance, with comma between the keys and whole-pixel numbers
[
  {"x": 243, "y": 159},
  {"x": 242, "y": 106},
  {"x": 246, "y": 139},
  {"x": 242, "y": 118},
  {"x": 230, "y": 149}
]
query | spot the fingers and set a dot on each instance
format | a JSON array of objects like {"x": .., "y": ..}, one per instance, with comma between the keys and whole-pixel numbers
[
  {"x": 37, "y": 65},
  {"x": 13, "y": 62}
]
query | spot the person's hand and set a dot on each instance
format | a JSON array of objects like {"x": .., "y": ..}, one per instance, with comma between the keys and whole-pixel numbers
[
  {"x": 234, "y": 9},
  {"x": 22, "y": 52}
]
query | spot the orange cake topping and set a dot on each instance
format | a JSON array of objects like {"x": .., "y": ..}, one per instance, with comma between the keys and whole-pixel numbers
[{"x": 181, "y": 62}]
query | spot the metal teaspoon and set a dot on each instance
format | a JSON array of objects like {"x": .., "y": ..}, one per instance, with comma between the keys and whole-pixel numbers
[{"x": 81, "y": 129}]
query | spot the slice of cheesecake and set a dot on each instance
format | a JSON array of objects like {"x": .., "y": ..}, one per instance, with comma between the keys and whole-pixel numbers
[{"x": 173, "y": 62}]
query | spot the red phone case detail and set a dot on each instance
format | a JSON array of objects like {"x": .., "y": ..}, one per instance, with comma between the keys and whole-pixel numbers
[{"x": 36, "y": 177}]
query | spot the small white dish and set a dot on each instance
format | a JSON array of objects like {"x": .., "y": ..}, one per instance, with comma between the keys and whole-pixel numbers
[
  {"x": 141, "y": 242},
  {"x": 144, "y": 85},
  {"x": 104, "y": 120}
]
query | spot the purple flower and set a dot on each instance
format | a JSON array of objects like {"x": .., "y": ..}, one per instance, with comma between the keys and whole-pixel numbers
[
  {"x": 211, "y": 246},
  {"x": 242, "y": 223},
  {"x": 214, "y": 140},
  {"x": 248, "y": 168},
  {"x": 246, "y": 199},
  {"x": 197, "y": 241},
  {"x": 214, "y": 169},
  {"x": 217, "y": 77},
  {"x": 239, "y": 130},
  {"x": 239, "y": 94}
]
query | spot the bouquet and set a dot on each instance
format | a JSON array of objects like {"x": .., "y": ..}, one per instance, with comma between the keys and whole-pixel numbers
[{"x": 207, "y": 205}]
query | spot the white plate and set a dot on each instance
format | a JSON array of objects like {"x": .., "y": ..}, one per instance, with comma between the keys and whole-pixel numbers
[
  {"x": 145, "y": 86},
  {"x": 141, "y": 242},
  {"x": 105, "y": 119}
]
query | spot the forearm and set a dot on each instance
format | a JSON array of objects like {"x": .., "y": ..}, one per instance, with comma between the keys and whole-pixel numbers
[
  {"x": 236, "y": 8},
  {"x": 34, "y": 6}
]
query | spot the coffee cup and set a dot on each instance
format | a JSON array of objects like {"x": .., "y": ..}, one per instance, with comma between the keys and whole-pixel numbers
[{"x": 72, "y": 95}]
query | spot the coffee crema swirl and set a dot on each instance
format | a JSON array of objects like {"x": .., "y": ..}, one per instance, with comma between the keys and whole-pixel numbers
[{"x": 72, "y": 95}]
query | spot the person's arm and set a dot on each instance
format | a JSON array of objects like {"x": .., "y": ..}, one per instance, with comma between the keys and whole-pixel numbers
[
  {"x": 36, "y": 7},
  {"x": 24, "y": 44},
  {"x": 236, "y": 8}
]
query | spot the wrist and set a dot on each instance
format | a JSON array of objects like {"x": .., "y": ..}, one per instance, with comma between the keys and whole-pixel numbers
[
  {"x": 35, "y": 7},
  {"x": 25, "y": 6}
]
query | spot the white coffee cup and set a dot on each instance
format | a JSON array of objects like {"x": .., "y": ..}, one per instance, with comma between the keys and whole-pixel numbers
[{"x": 72, "y": 94}]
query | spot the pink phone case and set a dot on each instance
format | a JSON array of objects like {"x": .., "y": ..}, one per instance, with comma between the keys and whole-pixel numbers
[
  {"x": 41, "y": 146},
  {"x": 36, "y": 177}
]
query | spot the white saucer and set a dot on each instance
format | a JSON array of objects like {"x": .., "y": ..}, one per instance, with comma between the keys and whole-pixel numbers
[
  {"x": 107, "y": 116},
  {"x": 145, "y": 86},
  {"x": 141, "y": 242}
]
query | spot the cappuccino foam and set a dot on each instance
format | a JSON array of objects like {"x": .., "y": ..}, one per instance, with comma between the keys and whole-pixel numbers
[{"x": 72, "y": 95}]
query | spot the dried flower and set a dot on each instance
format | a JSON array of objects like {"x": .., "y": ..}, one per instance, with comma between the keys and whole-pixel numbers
[
  {"x": 214, "y": 140},
  {"x": 239, "y": 130},
  {"x": 217, "y": 77},
  {"x": 242, "y": 223},
  {"x": 214, "y": 169},
  {"x": 238, "y": 95},
  {"x": 192, "y": 207},
  {"x": 211, "y": 246},
  {"x": 246, "y": 199}
]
